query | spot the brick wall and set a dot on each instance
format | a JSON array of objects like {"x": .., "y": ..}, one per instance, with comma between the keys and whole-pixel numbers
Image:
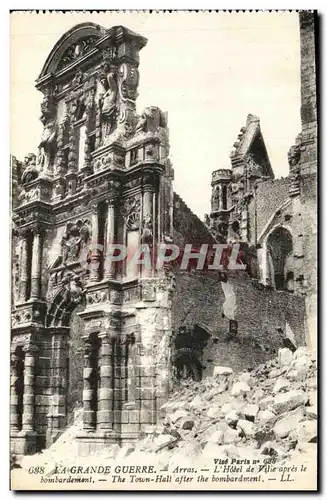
[{"x": 260, "y": 311}]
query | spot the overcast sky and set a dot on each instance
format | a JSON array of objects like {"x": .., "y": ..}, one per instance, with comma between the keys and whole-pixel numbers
[{"x": 208, "y": 70}]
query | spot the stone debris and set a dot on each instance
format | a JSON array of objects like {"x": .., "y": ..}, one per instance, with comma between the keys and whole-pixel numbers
[
  {"x": 288, "y": 401},
  {"x": 285, "y": 357},
  {"x": 281, "y": 385},
  {"x": 222, "y": 370},
  {"x": 257, "y": 414},
  {"x": 240, "y": 388}
]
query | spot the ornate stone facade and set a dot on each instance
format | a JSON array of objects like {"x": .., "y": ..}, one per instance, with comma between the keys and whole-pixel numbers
[{"x": 101, "y": 176}]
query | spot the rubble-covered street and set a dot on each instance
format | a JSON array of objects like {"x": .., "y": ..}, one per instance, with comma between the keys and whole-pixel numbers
[{"x": 268, "y": 412}]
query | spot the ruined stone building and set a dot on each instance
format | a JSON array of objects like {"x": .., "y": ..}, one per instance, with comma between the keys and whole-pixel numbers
[{"x": 102, "y": 174}]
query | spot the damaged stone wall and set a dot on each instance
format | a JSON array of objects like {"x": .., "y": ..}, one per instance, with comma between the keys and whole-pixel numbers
[
  {"x": 188, "y": 228},
  {"x": 264, "y": 317},
  {"x": 269, "y": 196}
]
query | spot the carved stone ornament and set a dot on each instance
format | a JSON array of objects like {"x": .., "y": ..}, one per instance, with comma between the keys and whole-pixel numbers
[
  {"x": 47, "y": 146},
  {"x": 97, "y": 297},
  {"x": 75, "y": 239},
  {"x": 74, "y": 287},
  {"x": 148, "y": 291},
  {"x": 78, "y": 78},
  {"x": 108, "y": 101},
  {"x": 76, "y": 51},
  {"x": 131, "y": 213},
  {"x": 151, "y": 120},
  {"x": 128, "y": 81},
  {"x": 147, "y": 229},
  {"x": 31, "y": 170},
  {"x": 21, "y": 339}
]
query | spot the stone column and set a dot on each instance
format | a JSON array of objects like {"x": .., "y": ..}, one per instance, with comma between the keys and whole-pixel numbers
[
  {"x": 36, "y": 265},
  {"x": 105, "y": 391},
  {"x": 29, "y": 395},
  {"x": 130, "y": 371},
  {"x": 110, "y": 266},
  {"x": 95, "y": 253},
  {"x": 89, "y": 391},
  {"x": 265, "y": 265},
  {"x": 147, "y": 224},
  {"x": 220, "y": 207},
  {"x": 24, "y": 269},
  {"x": 15, "y": 415}
]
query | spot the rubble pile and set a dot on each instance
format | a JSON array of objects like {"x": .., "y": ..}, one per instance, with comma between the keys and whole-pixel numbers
[{"x": 269, "y": 411}]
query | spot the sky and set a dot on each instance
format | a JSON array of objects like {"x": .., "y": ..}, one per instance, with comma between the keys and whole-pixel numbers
[{"x": 207, "y": 70}]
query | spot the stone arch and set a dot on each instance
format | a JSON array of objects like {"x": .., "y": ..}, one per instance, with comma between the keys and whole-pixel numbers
[
  {"x": 67, "y": 298},
  {"x": 278, "y": 247},
  {"x": 71, "y": 37},
  {"x": 189, "y": 343},
  {"x": 66, "y": 301}
]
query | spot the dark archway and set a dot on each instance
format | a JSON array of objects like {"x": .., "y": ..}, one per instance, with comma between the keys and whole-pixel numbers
[
  {"x": 76, "y": 362},
  {"x": 67, "y": 359},
  {"x": 280, "y": 250},
  {"x": 188, "y": 351}
]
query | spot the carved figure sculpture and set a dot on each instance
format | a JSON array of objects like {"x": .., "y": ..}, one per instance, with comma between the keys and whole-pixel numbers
[
  {"x": 108, "y": 100},
  {"x": 47, "y": 145},
  {"x": 147, "y": 232},
  {"x": 74, "y": 287},
  {"x": 31, "y": 171},
  {"x": 74, "y": 240},
  {"x": 151, "y": 119}
]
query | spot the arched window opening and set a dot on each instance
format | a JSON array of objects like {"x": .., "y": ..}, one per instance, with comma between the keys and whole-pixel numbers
[
  {"x": 224, "y": 197},
  {"x": 280, "y": 257},
  {"x": 189, "y": 344}
]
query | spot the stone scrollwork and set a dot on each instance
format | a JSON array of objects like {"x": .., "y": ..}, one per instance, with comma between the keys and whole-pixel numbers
[
  {"x": 128, "y": 82},
  {"x": 22, "y": 317},
  {"x": 97, "y": 297},
  {"x": 110, "y": 160},
  {"x": 77, "y": 50},
  {"x": 21, "y": 339},
  {"x": 131, "y": 213}
]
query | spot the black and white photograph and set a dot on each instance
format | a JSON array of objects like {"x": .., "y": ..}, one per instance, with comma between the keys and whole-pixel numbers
[{"x": 163, "y": 225}]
